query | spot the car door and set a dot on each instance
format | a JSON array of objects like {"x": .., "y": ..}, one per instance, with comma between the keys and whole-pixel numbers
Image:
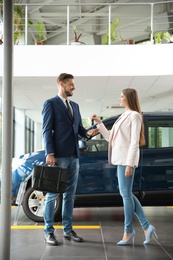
[
  {"x": 96, "y": 175},
  {"x": 157, "y": 162}
]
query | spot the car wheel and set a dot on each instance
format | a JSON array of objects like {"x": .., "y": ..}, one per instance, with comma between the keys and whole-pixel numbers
[{"x": 33, "y": 205}]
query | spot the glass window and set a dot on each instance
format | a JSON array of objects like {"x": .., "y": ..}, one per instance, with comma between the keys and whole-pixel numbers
[
  {"x": 97, "y": 145},
  {"x": 160, "y": 133},
  {"x": 29, "y": 135}
]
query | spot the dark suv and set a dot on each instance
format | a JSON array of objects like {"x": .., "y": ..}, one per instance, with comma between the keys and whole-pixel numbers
[{"x": 97, "y": 186}]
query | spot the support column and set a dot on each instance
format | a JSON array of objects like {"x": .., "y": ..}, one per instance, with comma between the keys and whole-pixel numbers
[{"x": 7, "y": 140}]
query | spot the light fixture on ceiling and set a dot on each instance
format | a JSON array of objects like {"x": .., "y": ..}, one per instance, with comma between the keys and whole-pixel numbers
[{"x": 114, "y": 107}]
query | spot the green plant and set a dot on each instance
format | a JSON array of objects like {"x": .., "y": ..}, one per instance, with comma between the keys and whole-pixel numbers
[
  {"x": 18, "y": 23},
  {"x": 76, "y": 36},
  {"x": 1, "y": 8},
  {"x": 19, "y": 16},
  {"x": 149, "y": 31},
  {"x": 159, "y": 36},
  {"x": 167, "y": 36},
  {"x": 113, "y": 32},
  {"x": 40, "y": 32}
]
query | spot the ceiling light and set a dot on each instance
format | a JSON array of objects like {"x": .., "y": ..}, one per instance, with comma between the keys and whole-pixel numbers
[{"x": 113, "y": 107}]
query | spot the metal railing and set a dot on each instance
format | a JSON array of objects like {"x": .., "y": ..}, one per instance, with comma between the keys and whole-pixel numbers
[{"x": 104, "y": 23}]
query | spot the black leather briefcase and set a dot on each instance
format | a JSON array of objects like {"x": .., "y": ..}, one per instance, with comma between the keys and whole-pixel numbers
[{"x": 49, "y": 178}]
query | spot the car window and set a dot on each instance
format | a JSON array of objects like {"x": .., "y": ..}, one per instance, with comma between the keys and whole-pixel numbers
[
  {"x": 99, "y": 136},
  {"x": 160, "y": 133},
  {"x": 97, "y": 145}
]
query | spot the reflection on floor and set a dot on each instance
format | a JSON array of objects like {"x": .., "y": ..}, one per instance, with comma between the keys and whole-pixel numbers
[{"x": 101, "y": 228}]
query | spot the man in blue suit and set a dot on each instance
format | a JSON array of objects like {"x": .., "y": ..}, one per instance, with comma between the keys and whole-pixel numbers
[{"x": 61, "y": 127}]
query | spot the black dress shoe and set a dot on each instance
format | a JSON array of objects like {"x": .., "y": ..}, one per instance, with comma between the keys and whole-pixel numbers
[
  {"x": 50, "y": 238},
  {"x": 73, "y": 235}
]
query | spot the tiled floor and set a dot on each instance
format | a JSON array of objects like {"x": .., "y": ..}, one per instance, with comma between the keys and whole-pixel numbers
[{"x": 101, "y": 228}]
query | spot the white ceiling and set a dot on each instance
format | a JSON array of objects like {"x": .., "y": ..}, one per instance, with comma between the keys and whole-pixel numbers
[{"x": 94, "y": 94}]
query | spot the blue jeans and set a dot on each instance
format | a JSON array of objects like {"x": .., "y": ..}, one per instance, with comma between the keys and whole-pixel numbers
[
  {"x": 72, "y": 164},
  {"x": 131, "y": 203}
]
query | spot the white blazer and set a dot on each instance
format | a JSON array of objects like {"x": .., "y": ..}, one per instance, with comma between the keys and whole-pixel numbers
[{"x": 123, "y": 139}]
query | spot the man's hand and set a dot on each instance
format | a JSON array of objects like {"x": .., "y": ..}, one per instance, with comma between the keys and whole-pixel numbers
[
  {"x": 93, "y": 132},
  {"x": 50, "y": 160}
]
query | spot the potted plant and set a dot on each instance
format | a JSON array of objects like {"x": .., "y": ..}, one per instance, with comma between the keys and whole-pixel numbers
[
  {"x": 125, "y": 41},
  {"x": 105, "y": 38},
  {"x": 19, "y": 27},
  {"x": 148, "y": 31},
  {"x": 160, "y": 36},
  {"x": 39, "y": 31},
  {"x": 76, "y": 37},
  {"x": 1, "y": 32},
  {"x": 1, "y": 8},
  {"x": 19, "y": 24}
]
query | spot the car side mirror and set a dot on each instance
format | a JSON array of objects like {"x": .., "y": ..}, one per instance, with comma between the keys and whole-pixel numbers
[{"x": 82, "y": 145}]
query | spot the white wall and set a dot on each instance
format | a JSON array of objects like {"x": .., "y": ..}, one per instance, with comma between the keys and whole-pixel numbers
[{"x": 114, "y": 60}]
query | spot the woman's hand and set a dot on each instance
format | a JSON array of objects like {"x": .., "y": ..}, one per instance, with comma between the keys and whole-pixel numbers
[
  {"x": 128, "y": 171},
  {"x": 96, "y": 118}
]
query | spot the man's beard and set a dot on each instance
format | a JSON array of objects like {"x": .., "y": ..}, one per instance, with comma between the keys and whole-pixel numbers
[{"x": 68, "y": 94}]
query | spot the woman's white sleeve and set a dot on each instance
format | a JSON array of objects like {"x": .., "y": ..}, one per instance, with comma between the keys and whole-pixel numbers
[{"x": 104, "y": 131}]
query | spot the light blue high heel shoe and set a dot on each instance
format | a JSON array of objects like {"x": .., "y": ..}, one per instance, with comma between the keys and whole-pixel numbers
[
  {"x": 129, "y": 241},
  {"x": 151, "y": 233}
]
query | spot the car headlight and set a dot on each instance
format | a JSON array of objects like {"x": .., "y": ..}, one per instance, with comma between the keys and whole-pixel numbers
[{"x": 16, "y": 162}]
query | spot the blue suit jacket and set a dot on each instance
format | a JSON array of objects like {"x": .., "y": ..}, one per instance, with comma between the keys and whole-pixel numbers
[{"x": 60, "y": 132}]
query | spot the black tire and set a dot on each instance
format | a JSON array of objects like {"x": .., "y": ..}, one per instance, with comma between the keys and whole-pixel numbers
[{"x": 33, "y": 205}]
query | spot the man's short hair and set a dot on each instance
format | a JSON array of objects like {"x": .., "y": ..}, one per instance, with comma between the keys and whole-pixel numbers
[{"x": 64, "y": 77}]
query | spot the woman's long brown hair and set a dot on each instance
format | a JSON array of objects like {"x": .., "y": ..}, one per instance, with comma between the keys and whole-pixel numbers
[{"x": 133, "y": 103}]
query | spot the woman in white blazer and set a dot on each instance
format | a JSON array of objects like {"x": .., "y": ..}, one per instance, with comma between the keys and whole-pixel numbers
[{"x": 124, "y": 139}]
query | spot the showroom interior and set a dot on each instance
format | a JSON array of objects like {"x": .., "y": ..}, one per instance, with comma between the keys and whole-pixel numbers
[{"x": 28, "y": 72}]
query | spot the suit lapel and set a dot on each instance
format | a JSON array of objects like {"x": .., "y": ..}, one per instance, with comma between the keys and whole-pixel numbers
[
  {"x": 63, "y": 106},
  {"x": 119, "y": 121}
]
